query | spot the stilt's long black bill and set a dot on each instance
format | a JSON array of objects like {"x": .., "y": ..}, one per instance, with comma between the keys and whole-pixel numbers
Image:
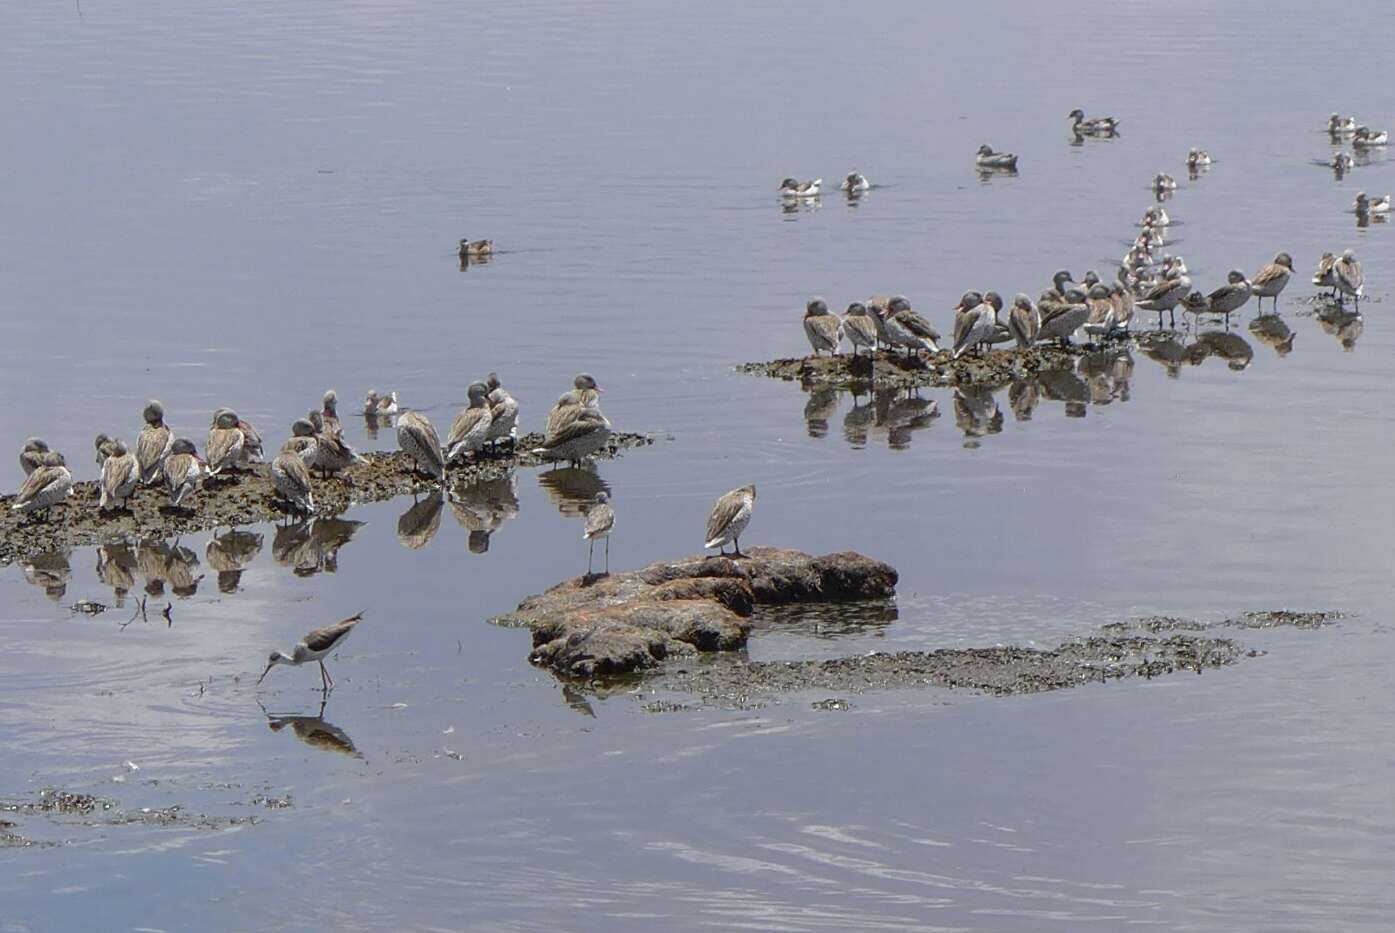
[{"x": 265, "y": 672}]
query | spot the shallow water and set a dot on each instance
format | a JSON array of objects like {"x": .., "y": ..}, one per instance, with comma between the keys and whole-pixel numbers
[{"x": 246, "y": 205}]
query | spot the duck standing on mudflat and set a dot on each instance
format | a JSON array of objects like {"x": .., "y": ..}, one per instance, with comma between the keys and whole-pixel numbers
[
  {"x": 600, "y": 521},
  {"x": 974, "y": 319},
  {"x": 729, "y": 517},
  {"x": 1100, "y": 320},
  {"x": 1230, "y": 297},
  {"x": 291, "y": 480},
  {"x": 329, "y": 411},
  {"x": 1063, "y": 317},
  {"x": 1322, "y": 276},
  {"x": 182, "y": 470},
  {"x": 503, "y": 413},
  {"x": 1270, "y": 281},
  {"x": 105, "y": 445},
  {"x": 153, "y": 443},
  {"x": 860, "y": 327},
  {"x": 418, "y": 439},
  {"x": 48, "y": 485},
  {"x": 1123, "y": 302},
  {"x": 577, "y": 430},
  {"x": 1024, "y": 320},
  {"x": 1165, "y": 296},
  {"x": 332, "y": 453},
  {"x": 906, "y": 328},
  {"x": 302, "y": 442},
  {"x": 822, "y": 327},
  {"x": 471, "y": 427},
  {"x": 225, "y": 442},
  {"x": 31, "y": 455},
  {"x": 1348, "y": 276},
  {"x": 120, "y": 477}
]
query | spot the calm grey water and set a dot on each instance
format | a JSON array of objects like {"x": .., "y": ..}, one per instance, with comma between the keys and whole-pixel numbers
[{"x": 248, "y": 203}]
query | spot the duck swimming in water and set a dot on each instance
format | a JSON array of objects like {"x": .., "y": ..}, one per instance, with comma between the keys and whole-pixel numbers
[
  {"x": 1198, "y": 158},
  {"x": 1365, "y": 205},
  {"x": 375, "y": 405},
  {"x": 1341, "y": 126},
  {"x": 987, "y": 158},
  {"x": 855, "y": 183},
  {"x": 1367, "y": 138},
  {"x": 791, "y": 188},
  {"x": 1164, "y": 182},
  {"x": 1340, "y": 162},
  {"x": 475, "y": 249}
]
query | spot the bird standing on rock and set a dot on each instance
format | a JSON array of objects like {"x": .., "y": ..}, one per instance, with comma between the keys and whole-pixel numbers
[
  {"x": 120, "y": 477},
  {"x": 31, "y": 455},
  {"x": 153, "y": 443},
  {"x": 105, "y": 445},
  {"x": 48, "y": 485},
  {"x": 225, "y": 442},
  {"x": 418, "y": 439},
  {"x": 332, "y": 453},
  {"x": 471, "y": 427},
  {"x": 860, "y": 327},
  {"x": 503, "y": 413},
  {"x": 182, "y": 469},
  {"x": 730, "y": 516},
  {"x": 822, "y": 327},
  {"x": 576, "y": 429},
  {"x": 1024, "y": 321},
  {"x": 291, "y": 479},
  {"x": 905, "y": 328},
  {"x": 974, "y": 320}
]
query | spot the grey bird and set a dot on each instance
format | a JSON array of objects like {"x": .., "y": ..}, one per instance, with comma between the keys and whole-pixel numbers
[
  {"x": 44, "y": 488},
  {"x": 418, "y": 439},
  {"x": 225, "y": 442},
  {"x": 292, "y": 480},
  {"x": 378, "y": 406},
  {"x": 503, "y": 413},
  {"x": 1098, "y": 126},
  {"x": 302, "y": 442},
  {"x": 1123, "y": 302},
  {"x": 1064, "y": 317},
  {"x": 475, "y": 249},
  {"x": 860, "y": 327},
  {"x": 332, "y": 453},
  {"x": 1024, "y": 320},
  {"x": 1165, "y": 296},
  {"x": 182, "y": 469},
  {"x": 1348, "y": 276},
  {"x": 1270, "y": 281},
  {"x": 120, "y": 477},
  {"x": 470, "y": 428},
  {"x": 1062, "y": 281},
  {"x": 153, "y": 443},
  {"x": 104, "y": 444},
  {"x": 315, "y": 647},
  {"x": 600, "y": 521},
  {"x": 905, "y": 328},
  {"x": 822, "y": 327},
  {"x": 31, "y": 455},
  {"x": 988, "y": 159},
  {"x": 729, "y": 517},
  {"x": 575, "y": 431},
  {"x": 1231, "y": 296},
  {"x": 1323, "y": 277},
  {"x": 973, "y": 325},
  {"x": 329, "y": 411}
]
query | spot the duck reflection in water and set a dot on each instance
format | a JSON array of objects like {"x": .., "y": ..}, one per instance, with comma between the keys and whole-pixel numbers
[
  {"x": 312, "y": 547},
  {"x": 160, "y": 563},
  {"x": 314, "y": 731},
  {"x": 1225, "y": 345},
  {"x": 1107, "y": 375},
  {"x": 573, "y": 489},
  {"x": 229, "y": 554},
  {"x": 116, "y": 567},
  {"x": 1165, "y": 349},
  {"x": 1344, "y": 324},
  {"x": 483, "y": 508},
  {"x": 1023, "y": 397},
  {"x": 892, "y": 412},
  {"x": 820, "y": 407},
  {"x": 419, "y": 524},
  {"x": 50, "y": 571},
  {"x": 976, "y": 413},
  {"x": 1272, "y": 331},
  {"x": 1063, "y": 385}
]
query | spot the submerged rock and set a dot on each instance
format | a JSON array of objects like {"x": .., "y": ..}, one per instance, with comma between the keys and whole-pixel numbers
[
  {"x": 898, "y": 371},
  {"x": 599, "y": 626},
  {"x": 244, "y": 500}
]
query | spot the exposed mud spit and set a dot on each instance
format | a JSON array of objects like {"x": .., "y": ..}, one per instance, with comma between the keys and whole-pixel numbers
[
  {"x": 897, "y": 371},
  {"x": 245, "y": 500},
  {"x": 629, "y": 622}
]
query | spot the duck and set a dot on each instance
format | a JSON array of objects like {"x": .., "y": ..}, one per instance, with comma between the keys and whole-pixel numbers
[
  {"x": 503, "y": 412},
  {"x": 1165, "y": 296},
  {"x": 975, "y": 318},
  {"x": 1231, "y": 296},
  {"x": 1024, "y": 320},
  {"x": 1164, "y": 182},
  {"x": 987, "y": 158},
  {"x": 376, "y": 406},
  {"x": 182, "y": 470},
  {"x": 291, "y": 479},
  {"x": 575, "y": 431},
  {"x": 1365, "y": 205},
  {"x": 1270, "y": 281},
  {"x": 1062, "y": 281},
  {"x": 31, "y": 455},
  {"x": 1367, "y": 138},
  {"x": 332, "y": 453},
  {"x": 905, "y": 328},
  {"x": 329, "y": 411},
  {"x": 302, "y": 442},
  {"x": 855, "y": 183},
  {"x": 417, "y": 438},
  {"x": 1322, "y": 276},
  {"x": 1340, "y": 162},
  {"x": 1156, "y": 216},
  {"x": 584, "y": 391},
  {"x": 475, "y": 249},
  {"x": 120, "y": 477},
  {"x": 730, "y": 515},
  {"x": 1100, "y": 321},
  {"x": 1197, "y": 158},
  {"x": 225, "y": 442},
  {"x": 1099, "y": 126},
  {"x": 1123, "y": 303},
  {"x": 49, "y": 485},
  {"x": 1063, "y": 316},
  {"x": 1348, "y": 275},
  {"x": 104, "y": 445},
  {"x": 822, "y": 327},
  {"x": 791, "y": 188},
  {"x": 860, "y": 327},
  {"x": 1341, "y": 126},
  {"x": 471, "y": 426},
  {"x": 153, "y": 443}
]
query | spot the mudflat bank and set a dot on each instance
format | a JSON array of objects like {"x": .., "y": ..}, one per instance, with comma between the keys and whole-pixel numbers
[{"x": 895, "y": 370}]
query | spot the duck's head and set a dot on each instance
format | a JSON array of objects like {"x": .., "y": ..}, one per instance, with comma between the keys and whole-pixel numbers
[
  {"x": 330, "y": 401},
  {"x": 584, "y": 381},
  {"x": 492, "y": 382},
  {"x": 183, "y": 446},
  {"x": 857, "y": 309},
  {"x": 602, "y": 497},
  {"x": 788, "y": 184},
  {"x": 994, "y": 301},
  {"x": 969, "y": 300},
  {"x": 1076, "y": 114},
  {"x": 154, "y": 412},
  {"x": 1235, "y": 277},
  {"x": 1061, "y": 277},
  {"x": 35, "y": 445},
  {"x": 1348, "y": 255},
  {"x": 301, "y": 427},
  {"x": 227, "y": 418},
  {"x": 1023, "y": 301},
  {"x": 1285, "y": 260},
  {"x": 477, "y": 392},
  {"x": 985, "y": 150},
  {"x": 815, "y": 307},
  {"x": 54, "y": 459},
  {"x": 898, "y": 304},
  {"x": 1099, "y": 291}
]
